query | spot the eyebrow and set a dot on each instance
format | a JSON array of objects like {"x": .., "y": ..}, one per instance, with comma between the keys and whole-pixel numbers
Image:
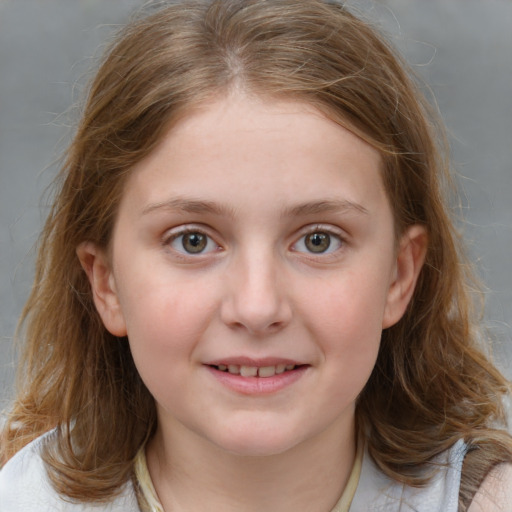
[
  {"x": 325, "y": 206},
  {"x": 189, "y": 206},
  {"x": 186, "y": 205}
]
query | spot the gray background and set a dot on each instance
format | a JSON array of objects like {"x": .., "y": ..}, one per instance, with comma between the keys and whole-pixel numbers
[{"x": 463, "y": 49}]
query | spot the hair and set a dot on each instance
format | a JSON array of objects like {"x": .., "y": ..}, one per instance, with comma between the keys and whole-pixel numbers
[{"x": 431, "y": 385}]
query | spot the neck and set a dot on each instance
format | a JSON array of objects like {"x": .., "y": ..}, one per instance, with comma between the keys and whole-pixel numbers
[{"x": 191, "y": 474}]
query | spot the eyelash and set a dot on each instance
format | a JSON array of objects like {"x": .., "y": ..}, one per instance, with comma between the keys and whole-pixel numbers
[
  {"x": 174, "y": 237},
  {"x": 326, "y": 235},
  {"x": 323, "y": 231}
]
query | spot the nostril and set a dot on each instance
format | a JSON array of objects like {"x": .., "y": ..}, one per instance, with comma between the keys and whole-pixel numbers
[
  {"x": 274, "y": 326},
  {"x": 258, "y": 329}
]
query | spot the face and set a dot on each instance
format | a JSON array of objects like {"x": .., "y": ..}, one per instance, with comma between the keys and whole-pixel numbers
[{"x": 253, "y": 267}]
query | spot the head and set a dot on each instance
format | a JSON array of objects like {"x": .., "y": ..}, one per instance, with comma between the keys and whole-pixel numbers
[{"x": 168, "y": 65}]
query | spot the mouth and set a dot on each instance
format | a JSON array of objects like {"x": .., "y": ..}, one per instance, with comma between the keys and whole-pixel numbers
[
  {"x": 257, "y": 377},
  {"x": 256, "y": 371}
]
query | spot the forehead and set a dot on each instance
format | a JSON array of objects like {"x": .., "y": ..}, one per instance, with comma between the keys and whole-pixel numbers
[{"x": 264, "y": 149}]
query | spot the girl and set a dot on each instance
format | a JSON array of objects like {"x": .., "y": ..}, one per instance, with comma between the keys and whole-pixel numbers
[{"x": 249, "y": 294}]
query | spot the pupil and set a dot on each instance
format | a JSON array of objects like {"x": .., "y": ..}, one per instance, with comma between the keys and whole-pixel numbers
[
  {"x": 194, "y": 242},
  {"x": 318, "y": 242}
]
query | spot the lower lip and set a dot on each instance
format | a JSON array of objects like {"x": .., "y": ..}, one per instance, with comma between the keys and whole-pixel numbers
[{"x": 258, "y": 385}]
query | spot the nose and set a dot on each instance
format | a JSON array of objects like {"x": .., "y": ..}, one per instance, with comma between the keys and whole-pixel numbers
[{"x": 256, "y": 298}]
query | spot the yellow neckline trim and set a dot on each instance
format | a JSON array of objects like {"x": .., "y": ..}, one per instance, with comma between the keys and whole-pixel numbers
[
  {"x": 349, "y": 492},
  {"x": 148, "y": 500},
  {"x": 147, "y": 497}
]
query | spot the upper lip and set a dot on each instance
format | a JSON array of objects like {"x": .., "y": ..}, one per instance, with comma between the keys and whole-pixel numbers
[{"x": 253, "y": 362}]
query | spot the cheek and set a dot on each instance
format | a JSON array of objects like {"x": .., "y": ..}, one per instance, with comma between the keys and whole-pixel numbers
[
  {"x": 350, "y": 346},
  {"x": 351, "y": 304},
  {"x": 165, "y": 319},
  {"x": 346, "y": 320},
  {"x": 163, "y": 332}
]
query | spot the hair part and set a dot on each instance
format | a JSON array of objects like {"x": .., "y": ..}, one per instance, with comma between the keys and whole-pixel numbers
[{"x": 77, "y": 377}]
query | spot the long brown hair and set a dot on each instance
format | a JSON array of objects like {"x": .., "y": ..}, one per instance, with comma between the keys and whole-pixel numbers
[{"x": 431, "y": 385}]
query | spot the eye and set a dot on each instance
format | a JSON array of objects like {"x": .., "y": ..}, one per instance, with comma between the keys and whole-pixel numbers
[
  {"x": 318, "y": 242},
  {"x": 192, "y": 242}
]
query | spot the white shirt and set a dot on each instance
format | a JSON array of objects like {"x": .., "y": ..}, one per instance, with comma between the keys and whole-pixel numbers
[{"x": 25, "y": 487}]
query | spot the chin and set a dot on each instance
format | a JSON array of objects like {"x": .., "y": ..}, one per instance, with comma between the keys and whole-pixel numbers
[
  {"x": 256, "y": 449},
  {"x": 257, "y": 442}
]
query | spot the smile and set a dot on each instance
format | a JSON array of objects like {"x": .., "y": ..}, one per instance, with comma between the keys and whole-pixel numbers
[
  {"x": 255, "y": 371},
  {"x": 253, "y": 377}
]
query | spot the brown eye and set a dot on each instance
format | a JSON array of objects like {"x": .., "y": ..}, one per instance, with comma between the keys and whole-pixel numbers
[
  {"x": 194, "y": 243},
  {"x": 320, "y": 242},
  {"x": 189, "y": 242},
  {"x": 317, "y": 242}
]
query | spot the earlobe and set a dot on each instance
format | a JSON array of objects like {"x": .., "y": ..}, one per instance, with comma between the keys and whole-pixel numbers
[
  {"x": 409, "y": 261},
  {"x": 96, "y": 265}
]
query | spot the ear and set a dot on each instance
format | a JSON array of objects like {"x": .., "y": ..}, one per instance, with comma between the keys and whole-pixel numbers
[
  {"x": 409, "y": 261},
  {"x": 97, "y": 266}
]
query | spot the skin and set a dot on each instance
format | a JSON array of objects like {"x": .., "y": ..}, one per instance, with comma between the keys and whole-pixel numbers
[
  {"x": 495, "y": 493},
  {"x": 258, "y": 178}
]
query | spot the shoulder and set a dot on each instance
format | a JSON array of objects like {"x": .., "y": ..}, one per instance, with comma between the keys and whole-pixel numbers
[
  {"x": 25, "y": 486},
  {"x": 23, "y": 472},
  {"x": 377, "y": 491},
  {"x": 495, "y": 493}
]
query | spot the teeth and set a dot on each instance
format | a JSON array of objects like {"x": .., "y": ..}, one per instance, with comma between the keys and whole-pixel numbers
[
  {"x": 248, "y": 371},
  {"x": 267, "y": 371},
  {"x": 253, "y": 371},
  {"x": 280, "y": 368}
]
